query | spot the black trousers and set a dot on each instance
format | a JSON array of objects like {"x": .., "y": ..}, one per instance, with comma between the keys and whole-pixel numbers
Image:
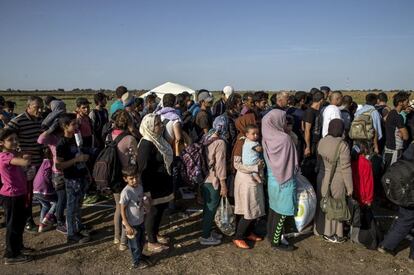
[
  {"x": 153, "y": 221},
  {"x": 14, "y": 208},
  {"x": 244, "y": 228},
  {"x": 275, "y": 227}
]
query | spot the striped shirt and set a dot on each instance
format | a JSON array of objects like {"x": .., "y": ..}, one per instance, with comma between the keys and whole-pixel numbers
[{"x": 28, "y": 131}]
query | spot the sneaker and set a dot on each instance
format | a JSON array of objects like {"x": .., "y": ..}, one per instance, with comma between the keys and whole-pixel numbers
[
  {"x": 49, "y": 219},
  {"x": 27, "y": 250},
  {"x": 116, "y": 241},
  {"x": 31, "y": 227},
  {"x": 91, "y": 199},
  {"x": 62, "y": 229},
  {"x": 284, "y": 247},
  {"x": 385, "y": 250},
  {"x": 77, "y": 238},
  {"x": 21, "y": 259},
  {"x": 44, "y": 227},
  {"x": 284, "y": 241},
  {"x": 123, "y": 247},
  {"x": 163, "y": 239},
  {"x": 216, "y": 235},
  {"x": 141, "y": 265},
  {"x": 209, "y": 241},
  {"x": 334, "y": 239}
]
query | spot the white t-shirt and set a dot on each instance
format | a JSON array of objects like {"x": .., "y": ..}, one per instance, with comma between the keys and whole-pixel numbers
[{"x": 330, "y": 112}]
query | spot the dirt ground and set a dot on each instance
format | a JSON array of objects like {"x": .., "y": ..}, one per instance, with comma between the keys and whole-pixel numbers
[{"x": 187, "y": 256}]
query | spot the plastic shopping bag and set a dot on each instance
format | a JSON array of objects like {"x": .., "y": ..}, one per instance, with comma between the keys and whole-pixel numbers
[
  {"x": 225, "y": 218},
  {"x": 306, "y": 198}
]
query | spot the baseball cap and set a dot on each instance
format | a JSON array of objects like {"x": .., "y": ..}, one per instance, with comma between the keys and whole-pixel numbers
[
  {"x": 204, "y": 95},
  {"x": 127, "y": 99},
  {"x": 228, "y": 90}
]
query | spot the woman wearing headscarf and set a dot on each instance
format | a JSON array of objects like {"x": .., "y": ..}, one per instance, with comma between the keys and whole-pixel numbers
[
  {"x": 57, "y": 107},
  {"x": 248, "y": 195},
  {"x": 215, "y": 183},
  {"x": 154, "y": 167},
  {"x": 282, "y": 165},
  {"x": 341, "y": 184}
]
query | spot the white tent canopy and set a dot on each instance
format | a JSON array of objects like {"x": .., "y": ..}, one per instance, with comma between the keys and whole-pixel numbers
[{"x": 169, "y": 88}]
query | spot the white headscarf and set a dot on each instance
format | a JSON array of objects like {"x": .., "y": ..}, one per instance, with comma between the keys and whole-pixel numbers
[{"x": 147, "y": 131}]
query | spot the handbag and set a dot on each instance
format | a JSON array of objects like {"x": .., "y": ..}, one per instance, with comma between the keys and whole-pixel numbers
[
  {"x": 335, "y": 209},
  {"x": 225, "y": 219}
]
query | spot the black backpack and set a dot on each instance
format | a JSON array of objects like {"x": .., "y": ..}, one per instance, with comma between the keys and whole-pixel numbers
[
  {"x": 398, "y": 183},
  {"x": 107, "y": 171}
]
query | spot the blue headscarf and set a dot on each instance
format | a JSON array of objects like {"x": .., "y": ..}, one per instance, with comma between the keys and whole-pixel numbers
[{"x": 220, "y": 127}]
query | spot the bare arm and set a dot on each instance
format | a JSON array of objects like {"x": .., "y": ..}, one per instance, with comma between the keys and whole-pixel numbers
[
  {"x": 62, "y": 165},
  {"x": 20, "y": 162},
  {"x": 308, "y": 127},
  {"x": 179, "y": 141},
  {"x": 129, "y": 229},
  {"x": 404, "y": 133}
]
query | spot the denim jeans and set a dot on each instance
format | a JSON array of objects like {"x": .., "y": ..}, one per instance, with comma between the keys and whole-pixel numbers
[
  {"x": 48, "y": 205},
  {"x": 74, "y": 193},
  {"x": 136, "y": 245}
]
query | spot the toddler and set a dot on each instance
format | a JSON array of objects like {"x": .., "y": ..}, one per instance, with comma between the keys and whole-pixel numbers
[
  {"x": 44, "y": 192},
  {"x": 252, "y": 151}
]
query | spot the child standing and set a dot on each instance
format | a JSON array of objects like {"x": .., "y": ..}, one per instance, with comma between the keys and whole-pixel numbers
[
  {"x": 99, "y": 117},
  {"x": 44, "y": 192},
  {"x": 84, "y": 122},
  {"x": 13, "y": 196},
  {"x": 252, "y": 151},
  {"x": 72, "y": 163},
  {"x": 133, "y": 207}
]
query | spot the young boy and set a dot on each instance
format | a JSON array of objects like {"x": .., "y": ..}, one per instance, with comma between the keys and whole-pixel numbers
[
  {"x": 133, "y": 207},
  {"x": 85, "y": 123},
  {"x": 13, "y": 194},
  {"x": 99, "y": 117},
  {"x": 252, "y": 150},
  {"x": 72, "y": 164}
]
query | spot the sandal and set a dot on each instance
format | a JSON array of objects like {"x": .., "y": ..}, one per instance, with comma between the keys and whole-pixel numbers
[
  {"x": 156, "y": 247},
  {"x": 163, "y": 239},
  {"x": 241, "y": 244}
]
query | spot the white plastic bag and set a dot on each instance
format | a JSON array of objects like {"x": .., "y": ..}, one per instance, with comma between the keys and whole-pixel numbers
[
  {"x": 225, "y": 218},
  {"x": 306, "y": 198}
]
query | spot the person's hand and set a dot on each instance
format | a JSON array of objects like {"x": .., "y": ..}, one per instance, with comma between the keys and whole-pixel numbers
[
  {"x": 307, "y": 152},
  {"x": 129, "y": 230},
  {"x": 349, "y": 194},
  {"x": 27, "y": 157},
  {"x": 82, "y": 158},
  {"x": 261, "y": 164},
  {"x": 223, "y": 190},
  {"x": 376, "y": 150}
]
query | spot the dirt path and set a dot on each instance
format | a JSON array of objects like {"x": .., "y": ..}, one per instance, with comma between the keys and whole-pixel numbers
[{"x": 187, "y": 256}]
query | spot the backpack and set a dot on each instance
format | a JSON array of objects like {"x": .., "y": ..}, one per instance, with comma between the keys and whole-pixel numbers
[
  {"x": 362, "y": 128},
  {"x": 107, "y": 170},
  {"x": 195, "y": 165},
  {"x": 398, "y": 183}
]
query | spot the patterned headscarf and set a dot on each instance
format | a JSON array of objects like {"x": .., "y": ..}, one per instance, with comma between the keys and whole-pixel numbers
[
  {"x": 220, "y": 127},
  {"x": 147, "y": 131}
]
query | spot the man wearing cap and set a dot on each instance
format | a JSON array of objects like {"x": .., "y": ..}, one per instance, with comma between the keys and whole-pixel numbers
[
  {"x": 204, "y": 119},
  {"x": 220, "y": 106},
  {"x": 369, "y": 108},
  {"x": 118, "y": 105}
]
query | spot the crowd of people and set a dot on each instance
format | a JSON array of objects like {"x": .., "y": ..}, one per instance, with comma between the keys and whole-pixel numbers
[{"x": 254, "y": 152}]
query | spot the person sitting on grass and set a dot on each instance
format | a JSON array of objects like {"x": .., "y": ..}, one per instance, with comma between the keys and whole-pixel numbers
[
  {"x": 13, "y": 196},
  {"x": 134, "y": 205}
]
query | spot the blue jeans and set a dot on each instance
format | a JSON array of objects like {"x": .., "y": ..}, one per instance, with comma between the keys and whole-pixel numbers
[
  {"x": 48, "y": 205},
  {"x": 136, "y": 245},
  {"x": 74, "y": 194}
]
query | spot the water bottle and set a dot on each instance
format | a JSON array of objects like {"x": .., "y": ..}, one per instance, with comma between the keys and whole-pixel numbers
[
  {"x": 79, "y": 143},
  {"x": 131, "y": 155}
]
